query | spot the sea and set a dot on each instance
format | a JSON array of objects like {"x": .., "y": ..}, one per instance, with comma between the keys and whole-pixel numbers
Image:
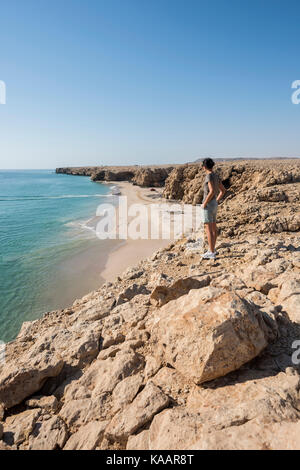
[{"x": 49, "y": 252}]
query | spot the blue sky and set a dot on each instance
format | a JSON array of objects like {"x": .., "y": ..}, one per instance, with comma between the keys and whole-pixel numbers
[{"x": 147, "y": 81}]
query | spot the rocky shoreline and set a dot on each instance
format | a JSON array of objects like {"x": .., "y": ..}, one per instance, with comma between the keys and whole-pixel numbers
[
  {"x": 144, "y": 176},
  {"x": 177, "y": 352}
]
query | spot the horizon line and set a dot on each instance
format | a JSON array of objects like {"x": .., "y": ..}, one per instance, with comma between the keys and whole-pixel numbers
[{"x": 151, "y": 164}]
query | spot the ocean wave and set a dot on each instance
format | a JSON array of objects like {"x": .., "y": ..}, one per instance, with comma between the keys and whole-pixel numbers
[{"x": 84, "y": 224}]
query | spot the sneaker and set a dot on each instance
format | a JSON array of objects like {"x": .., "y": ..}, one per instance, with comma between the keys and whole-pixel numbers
[{"x": 209, "y": 255}]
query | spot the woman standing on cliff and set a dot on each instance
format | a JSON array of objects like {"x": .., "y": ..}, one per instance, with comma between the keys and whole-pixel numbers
[{"x": 213, "y": 191}]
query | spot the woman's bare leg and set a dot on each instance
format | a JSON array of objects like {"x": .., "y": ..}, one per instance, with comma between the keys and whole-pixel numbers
[
  {"x": 215, "y": 234},
  {"x": 210, "y": 236}
]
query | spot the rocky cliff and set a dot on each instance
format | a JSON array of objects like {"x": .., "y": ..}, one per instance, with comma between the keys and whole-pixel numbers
[
  {"x": 178, "y": 352},
  {"x": 145, "y": 176},
  {"x": 262, "y": 195}
]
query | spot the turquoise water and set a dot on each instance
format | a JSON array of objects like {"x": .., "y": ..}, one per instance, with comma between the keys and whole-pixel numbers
[{"x": 43, "y": 228}]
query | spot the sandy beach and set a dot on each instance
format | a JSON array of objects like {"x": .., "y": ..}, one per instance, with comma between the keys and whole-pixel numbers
[
  {"x": 130, "y": 252},
  {"x": 103, "y": 260}
]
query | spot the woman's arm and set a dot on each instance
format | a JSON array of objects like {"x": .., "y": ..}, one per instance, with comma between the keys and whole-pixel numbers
[{"x": 222, "y": 191}]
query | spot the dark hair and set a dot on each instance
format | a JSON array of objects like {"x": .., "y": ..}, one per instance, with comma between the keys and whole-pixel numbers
[{"x": 208, "y": 163}]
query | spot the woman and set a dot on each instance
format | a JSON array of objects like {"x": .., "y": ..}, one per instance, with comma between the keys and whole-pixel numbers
[{"x": 213, "y": 192}]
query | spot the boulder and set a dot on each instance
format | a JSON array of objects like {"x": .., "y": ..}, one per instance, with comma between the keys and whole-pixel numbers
[{"x": 208, "y": 333}]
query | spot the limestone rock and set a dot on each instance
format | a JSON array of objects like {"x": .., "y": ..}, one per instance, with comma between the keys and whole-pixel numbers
[
  {"x": 126, "y": 391},
  {"x": 152, "y": 176},
  {"x": 139, "y": 441},
  {"x": 18, "y": 427},
  {"x": 224, "y": 407},
  {"x": 153, "y": 364},
  {"x": 146, "y": 176},
  {"x": 172, "y": 383},
  {"x": 49, "y": 435},
  {"x": 148, "y": 402},
  {"x": 112, "y": 340},
  {"x": 296, "y": 260},
  {"x": 89, "y": 398},
  {"x": 130, "y": 292},
  {"x": 261, "y": 278},
  {"x": 103, "y": 375},
  {"x": 163, "y": 294},
  {"x": 208, "y": 333},
  {"x": 4, "y": 446},
  {"x": 174, "y": 429},
  {"x": 252, "y": 436},
  {"x": 88, "y": 437},
  {"x": 247, "y": 395},
  {"x": 76, "y": 413},
  {"x": 49, "y": 403},
  {"x": 111, "y": 351},
  {"x": 25, "y": 376},
  {"x": 287, "y": 294}
]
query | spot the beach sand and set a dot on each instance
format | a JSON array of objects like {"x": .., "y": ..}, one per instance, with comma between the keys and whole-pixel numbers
[
  {"x": 103, "y": 260},
  {"x": 130, "y": 252}
]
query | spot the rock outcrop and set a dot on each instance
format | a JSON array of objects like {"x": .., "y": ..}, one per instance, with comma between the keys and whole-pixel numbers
[
  {"x": 145, "y": 176},
  {"x": 208, "y": 333}
]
